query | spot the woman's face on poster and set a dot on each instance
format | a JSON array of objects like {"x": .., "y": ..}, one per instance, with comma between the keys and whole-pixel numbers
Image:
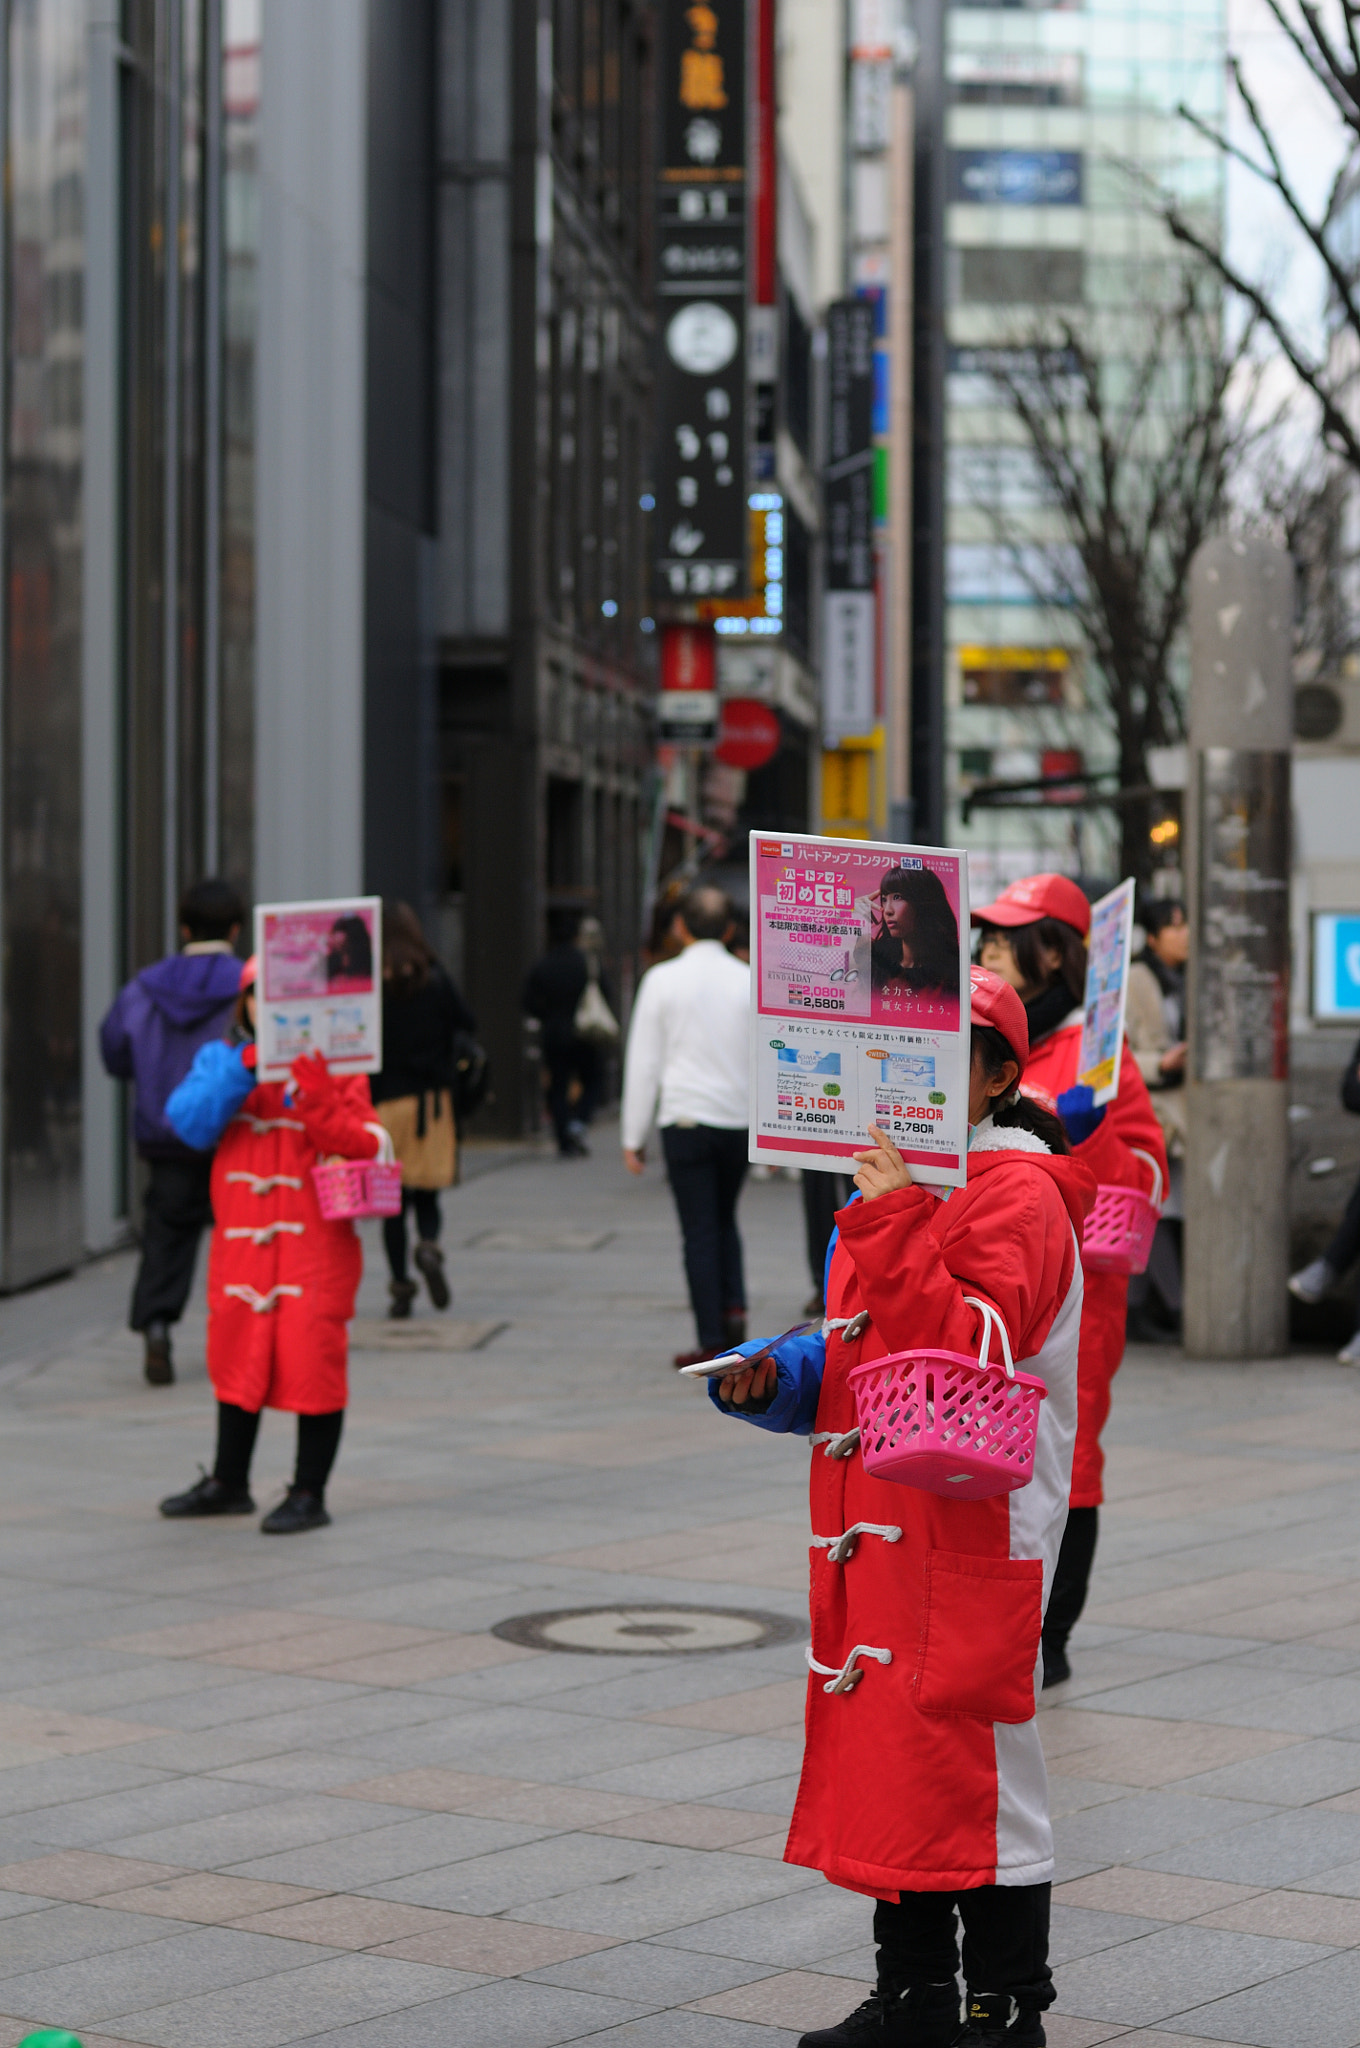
[{"x": 898, "y": 917}]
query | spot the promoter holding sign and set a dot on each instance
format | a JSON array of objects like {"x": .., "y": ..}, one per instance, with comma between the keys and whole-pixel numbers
[{"x": 861, "y": 952}]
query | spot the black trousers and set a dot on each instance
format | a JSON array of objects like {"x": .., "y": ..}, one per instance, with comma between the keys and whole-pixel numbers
[
  {"x": 318, "y": 1440},
  {"x": 1344, "y": 1247},
  {"x": 576, "y": 1060},
  {"x": 1073, "y": 1574},
  {"x": 425, "y": 1202},
  {"x": 177, "y": 1210},
  {"x": 1005, "y": 1941},
  {"x": 823, "y": 1195},
  {"x": 706, "y": 1167}
]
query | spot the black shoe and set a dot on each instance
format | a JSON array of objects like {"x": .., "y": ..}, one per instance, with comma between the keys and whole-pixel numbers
[
  {"x": 159, "y": 1366},
  {"x": 403, "y": 1293},
  {"x": 208, "y": 1496},
  {"x": 298, "y": 1510},
  {"x": 734, "y": 1327},
  {"x": 1056, "y": 1667},
  {"x": 430, "y": 1264},
  {"x": 994, "y": 2021},
  {"x": 926, "y": 2016}
]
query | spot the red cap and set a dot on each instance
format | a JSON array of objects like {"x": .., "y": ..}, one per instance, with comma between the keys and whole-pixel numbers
[
  {"x": 249, "y": 969},
  {"x": 993, "y": 1002},
  {"x": 1037, "y": 896}
]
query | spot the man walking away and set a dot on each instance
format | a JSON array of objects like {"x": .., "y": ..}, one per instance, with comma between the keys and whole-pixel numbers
[
  {"x": 149, "y": 1037},
  {"x": 686, "y": 1066}
]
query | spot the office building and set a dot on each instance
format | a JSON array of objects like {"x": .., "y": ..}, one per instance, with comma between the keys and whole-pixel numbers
[
  {"x": 1061, "y": 122},
  {"x": 326, "y": 430}
]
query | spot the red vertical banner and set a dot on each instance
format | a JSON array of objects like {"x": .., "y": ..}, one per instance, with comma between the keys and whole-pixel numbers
[
  {"x": 688, "y": 658},
  {"x": 766, "y": 153},
  {"x": 688, "y": 706}
]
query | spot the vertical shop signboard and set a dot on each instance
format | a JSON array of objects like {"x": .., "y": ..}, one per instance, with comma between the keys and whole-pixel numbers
[
  {"x": 701, "y": 241},
  {"x": 849, "y": 639},
  {"x": 687, "y": 710},
  {"x": 858, "y": 1010}
]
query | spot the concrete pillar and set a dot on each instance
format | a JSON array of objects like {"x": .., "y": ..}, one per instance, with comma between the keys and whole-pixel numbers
[{"x": 1237, "y": 1163}]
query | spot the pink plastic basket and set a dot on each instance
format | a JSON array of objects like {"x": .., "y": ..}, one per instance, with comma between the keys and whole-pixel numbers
[
  {"x": 949, "y": 1424},
  {"x": 1120, "y": 1228},
  {"x": 357, "y": 1187}
]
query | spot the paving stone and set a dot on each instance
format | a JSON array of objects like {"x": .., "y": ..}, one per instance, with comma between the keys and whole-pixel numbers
[
  {"x": 662, "y": 1898},
  {"x": 1299, "y": 1915},
  {"x": 123, "y": 1980},
  {"x": 264, "y": 1827},
  {"x": 78, "y": 1874},
  {"x": 1297, "y": 1776},
  {"x": 1319, "y": 2005},
  {"x": 433, "y": 1841},
  {"x": 648, "y": 1971},
  {"x": 268, "y": 2011},
  {"x": 792, "y": 1931},
  {"x": 1153, "y": 1893},
  {"x": 1164, "y": 1974},
  {"x": 103, "y": 1821},
  {"x": 1078, "y": 1931},
  {"x": 491, "y": 2016},
  {"x": 206, "y": 1897},
  {"x": 1276, "y": 1851}
]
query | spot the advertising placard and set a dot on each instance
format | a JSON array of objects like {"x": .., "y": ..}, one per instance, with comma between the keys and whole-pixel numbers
[
  {"x": 320, "y": 984},
  {"x": 1108, "y": 951},
  {"x": 857, "y": 1011}
]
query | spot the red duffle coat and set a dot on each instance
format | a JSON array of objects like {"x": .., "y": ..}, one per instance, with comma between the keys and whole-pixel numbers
[
  {"x": 281, "y": 1280},
  {"x": 1129, "y": 1122},
  {"x": 929, "y": 1774}
]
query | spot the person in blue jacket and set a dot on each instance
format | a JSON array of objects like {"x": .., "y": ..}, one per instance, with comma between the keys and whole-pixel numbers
[{"x": 150, "y": 1037}]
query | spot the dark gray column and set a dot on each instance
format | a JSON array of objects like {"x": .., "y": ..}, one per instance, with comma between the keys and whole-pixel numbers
[{"x": 1236, "y": 1177}]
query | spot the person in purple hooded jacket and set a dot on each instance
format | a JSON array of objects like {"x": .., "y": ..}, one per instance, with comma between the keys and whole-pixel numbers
[{"x": 149, "y": 1037}]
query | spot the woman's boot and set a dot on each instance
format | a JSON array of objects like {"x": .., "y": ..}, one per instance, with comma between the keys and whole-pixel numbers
[{"x": 403, "y": 1293}]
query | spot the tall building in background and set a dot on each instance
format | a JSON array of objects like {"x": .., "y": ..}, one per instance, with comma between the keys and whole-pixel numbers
[
  {"x": 539, "y": 591},
  {"x": 1055, "y": 111}
]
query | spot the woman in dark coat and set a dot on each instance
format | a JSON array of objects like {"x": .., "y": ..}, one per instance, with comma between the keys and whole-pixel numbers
[{"x": 423, "y": 1013}]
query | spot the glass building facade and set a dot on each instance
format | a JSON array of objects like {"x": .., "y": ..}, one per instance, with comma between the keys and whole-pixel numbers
[
  {"x": 44, "y": 230},
  {"x": 321, "y": 522},
  {"x": 1062, "y": 122}
]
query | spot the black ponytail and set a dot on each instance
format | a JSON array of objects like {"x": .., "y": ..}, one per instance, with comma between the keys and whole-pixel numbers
[{"x": 1020, "y": 1114}]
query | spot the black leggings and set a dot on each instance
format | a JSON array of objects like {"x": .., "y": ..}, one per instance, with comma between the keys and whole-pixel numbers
[
  {"x": 318, "y": 1440},
  {"x": 1005, "y": 1941},
  {"x": 425, "y": 1202}
]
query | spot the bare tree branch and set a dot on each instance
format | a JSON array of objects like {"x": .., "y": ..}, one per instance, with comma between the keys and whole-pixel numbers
[{"x": 1135, "y": 457}]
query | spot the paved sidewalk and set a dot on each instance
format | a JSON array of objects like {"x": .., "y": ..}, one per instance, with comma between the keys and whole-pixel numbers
[{"x": 256, "y": 1793}]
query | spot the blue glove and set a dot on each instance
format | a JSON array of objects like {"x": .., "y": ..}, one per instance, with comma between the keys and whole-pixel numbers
[
  {"x": 1080, "y": 1117},
  {"x": 210, "y": 1094}
]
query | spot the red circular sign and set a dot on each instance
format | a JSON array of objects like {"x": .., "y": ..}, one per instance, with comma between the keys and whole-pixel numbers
[{"x": 748, "y": 733}]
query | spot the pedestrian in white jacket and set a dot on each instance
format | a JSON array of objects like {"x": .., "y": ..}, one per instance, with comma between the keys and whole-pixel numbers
[{"x": 685, "y": 1069}]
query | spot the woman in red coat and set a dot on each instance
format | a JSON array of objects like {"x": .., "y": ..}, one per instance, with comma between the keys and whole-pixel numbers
[
  {"x": 923, "y": 1780},
  {"x": 281, "y": 1280},
  {"x": 1034, "y": 937}
]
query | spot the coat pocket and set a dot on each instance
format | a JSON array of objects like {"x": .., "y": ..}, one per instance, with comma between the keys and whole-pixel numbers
[{"x": 980, "y": 1636}]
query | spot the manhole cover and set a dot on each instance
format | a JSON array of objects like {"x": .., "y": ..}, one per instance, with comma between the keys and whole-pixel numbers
[{"x": 645, "y": 1631}]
